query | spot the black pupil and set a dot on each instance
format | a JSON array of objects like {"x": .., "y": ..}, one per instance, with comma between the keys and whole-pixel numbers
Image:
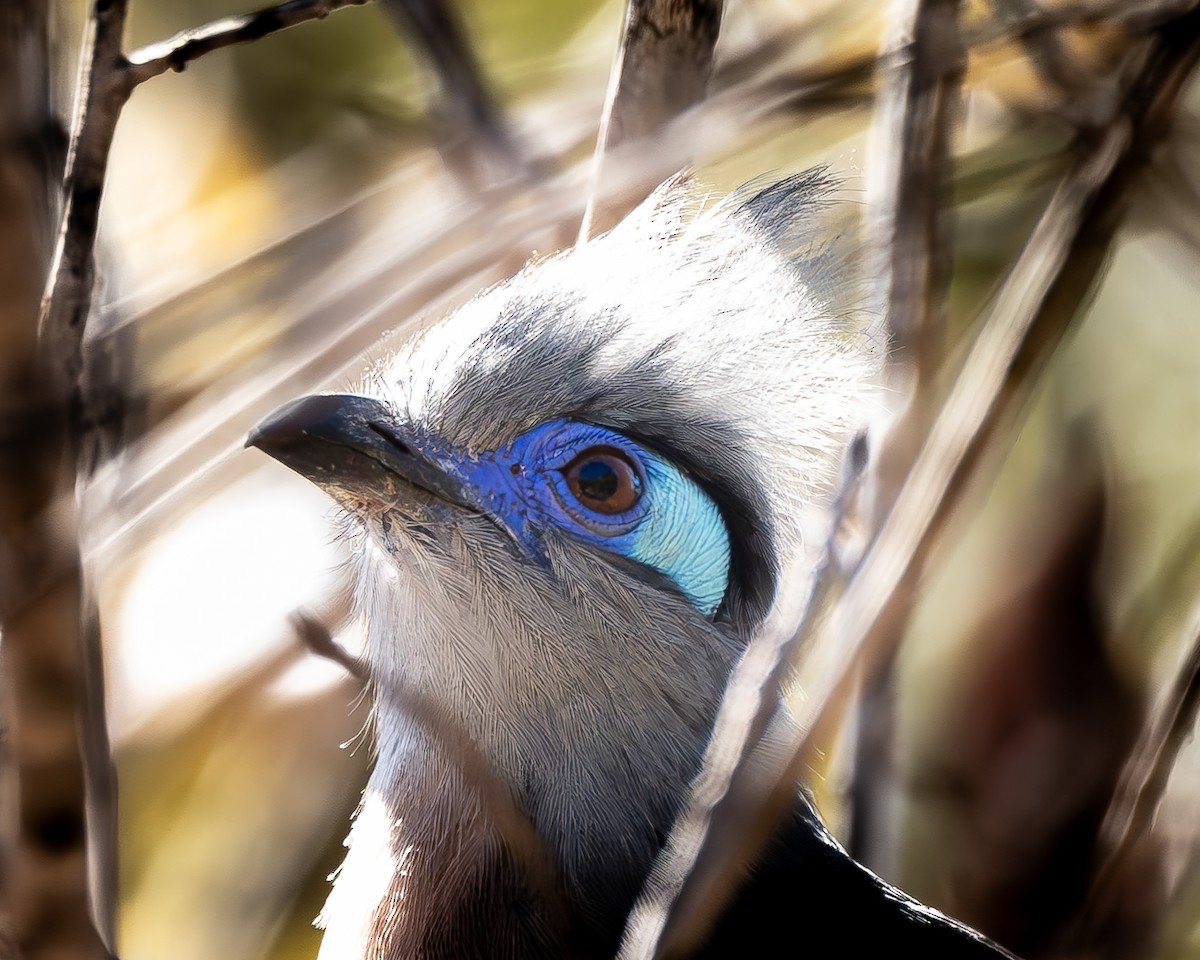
[{"x": 597, "y": 480}]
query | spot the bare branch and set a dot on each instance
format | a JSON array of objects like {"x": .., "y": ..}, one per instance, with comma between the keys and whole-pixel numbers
[
  {"x": 1172, "y": 725},
  {"x": 105, "y": 90},
  {"x": 181, "y": 49},
  {"x": 662, "y": 68},
  {"x": 922, "y": 71}
]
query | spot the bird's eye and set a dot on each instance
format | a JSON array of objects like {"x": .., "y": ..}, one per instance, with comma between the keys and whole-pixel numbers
[
  {"x": 608, "y": 491},
  {"x": 604, "y": 480}
]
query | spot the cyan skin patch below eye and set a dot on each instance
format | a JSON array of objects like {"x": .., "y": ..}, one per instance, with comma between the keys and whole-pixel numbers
[
  {"x": 683, "y": 536},
  {"x": 674, "y": 527}
]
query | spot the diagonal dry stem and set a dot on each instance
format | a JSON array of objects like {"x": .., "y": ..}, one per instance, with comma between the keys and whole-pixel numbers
[{"x": 1130, "y": 815}]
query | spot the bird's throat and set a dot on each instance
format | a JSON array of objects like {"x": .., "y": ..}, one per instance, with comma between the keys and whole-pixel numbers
[{"x": 438, "y": 868}]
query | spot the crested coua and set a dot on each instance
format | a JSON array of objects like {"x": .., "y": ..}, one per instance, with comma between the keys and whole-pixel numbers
[{"x": 571, "y": 502}]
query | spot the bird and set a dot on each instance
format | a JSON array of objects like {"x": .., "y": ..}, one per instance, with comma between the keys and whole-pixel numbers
[{"x": 569, "y": 504}]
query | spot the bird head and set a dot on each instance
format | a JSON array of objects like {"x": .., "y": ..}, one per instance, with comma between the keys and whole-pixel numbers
[{"x": 571, "y": 502}]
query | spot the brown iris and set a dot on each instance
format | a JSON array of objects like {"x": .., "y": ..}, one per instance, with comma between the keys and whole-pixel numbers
[{"x": 604, "y": 480}]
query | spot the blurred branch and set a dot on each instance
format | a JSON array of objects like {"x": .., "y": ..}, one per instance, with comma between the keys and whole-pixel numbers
[
  {"x": 1144, "y": 14},
  {"x": 909, "y": 179},
  {"x": 1172, "y": 725},
  {"x": 662, "y": 69},
  {"x": 317, "y": 638},
  {"x": 44, "y": 873},
  {"x": 1079, "y": 94},
  {"x": 1045, "y": 49},
  {"x": 660, "y": 916},
  {"x": 466, "y": 103}
]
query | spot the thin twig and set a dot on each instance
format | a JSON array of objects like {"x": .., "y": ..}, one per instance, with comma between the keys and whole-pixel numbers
[
  {"x": 1137, "y": 796},
  {"x": 181, "y": 49},
  {"x": 317, "y": 638}
]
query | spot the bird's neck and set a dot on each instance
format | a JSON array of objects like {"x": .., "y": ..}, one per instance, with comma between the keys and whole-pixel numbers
[
  {"x": 594, "y": 734},
  {"x": 499, "y": 727},
  {"x": 443, "y": 864}
]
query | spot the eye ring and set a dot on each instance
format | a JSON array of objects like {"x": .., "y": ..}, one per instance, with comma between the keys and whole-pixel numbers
[{"x": 604, "y": 479}]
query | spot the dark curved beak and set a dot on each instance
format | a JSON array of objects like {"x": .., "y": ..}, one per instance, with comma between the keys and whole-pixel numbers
[{"x": 352, "y": 446}]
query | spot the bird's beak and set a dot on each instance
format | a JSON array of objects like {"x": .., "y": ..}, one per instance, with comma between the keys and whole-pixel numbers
[{"x": 352, "y": 447}]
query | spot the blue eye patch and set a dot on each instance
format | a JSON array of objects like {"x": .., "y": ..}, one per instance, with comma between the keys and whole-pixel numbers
[{"x": 606, "y": 490}]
